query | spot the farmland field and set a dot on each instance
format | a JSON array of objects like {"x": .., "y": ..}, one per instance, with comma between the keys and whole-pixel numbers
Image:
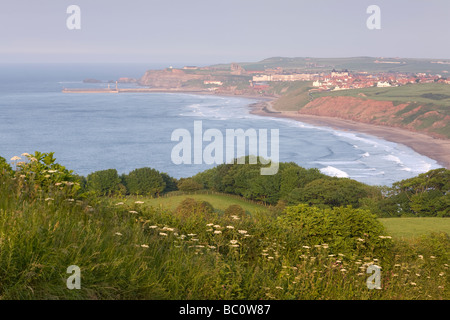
[{"x": 405, "y": 228}]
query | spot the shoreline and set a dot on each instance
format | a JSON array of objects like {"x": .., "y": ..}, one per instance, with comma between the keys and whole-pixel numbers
[{"x": 433, "y": 148}]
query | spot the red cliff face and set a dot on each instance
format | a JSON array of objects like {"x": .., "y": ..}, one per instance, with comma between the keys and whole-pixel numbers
[{"x": 379, "y": 113}]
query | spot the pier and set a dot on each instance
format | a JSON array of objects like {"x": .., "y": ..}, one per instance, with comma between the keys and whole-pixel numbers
[{"x": 127, "y": 90}]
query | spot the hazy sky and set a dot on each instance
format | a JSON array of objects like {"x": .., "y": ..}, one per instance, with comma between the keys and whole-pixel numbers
[{"x": 212, "y": 31}]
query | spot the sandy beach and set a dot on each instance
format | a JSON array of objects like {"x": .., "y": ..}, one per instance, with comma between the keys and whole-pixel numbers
[{"x": 436, "y": 149}]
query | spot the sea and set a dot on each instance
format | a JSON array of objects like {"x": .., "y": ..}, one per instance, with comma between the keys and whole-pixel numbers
[{"x": 90, "y": 132}]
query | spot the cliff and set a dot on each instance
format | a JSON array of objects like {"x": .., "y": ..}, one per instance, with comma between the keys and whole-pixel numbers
[
  {"x": 168, "y": 78},
  {"x": 412, "y": 116}
]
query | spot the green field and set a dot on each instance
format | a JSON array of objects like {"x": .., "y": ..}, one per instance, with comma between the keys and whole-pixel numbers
[
  {"x": 397, "y": 227},
  {"x": 437, "y": 94},
  {"x": 351, "y": 63},
  {"x": 218, "y": 201},
  {"x": 414, "y": 227},
  {"x": 293, "y": 98}
]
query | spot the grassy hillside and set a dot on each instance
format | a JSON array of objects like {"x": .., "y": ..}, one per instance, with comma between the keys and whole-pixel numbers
[
  {"x": 407, "y": 228},
  {"x": 295, "y": 99},
  {"x": 131, "y": 248},
  {"x": 351, "y": 63},
  {"x": 130, "y": 251},
  {"x": 218, "y": 201},
  {"x": 433, "y": 94},
  {"x": 426, "y": 107}
]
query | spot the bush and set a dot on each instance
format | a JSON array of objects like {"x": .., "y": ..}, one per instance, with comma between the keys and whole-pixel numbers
[
  {"x": 47, "y": 176},
  {"x": 235, "y": 210},
  {"x": 144, "y": 181},
  {"x": 344, "y": 229},
  {"x": 104, "y": 182},
  {"x": 4, "y": 166},
  {"x": 191, "y": 208}
]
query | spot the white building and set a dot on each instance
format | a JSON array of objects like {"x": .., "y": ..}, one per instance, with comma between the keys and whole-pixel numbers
[{"x": 383, "y": 84}]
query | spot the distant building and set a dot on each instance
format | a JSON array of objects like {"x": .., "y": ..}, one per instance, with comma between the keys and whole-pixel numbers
[
  {"x": 338, "y": 74},
  {"x": 262, "y": 78},
  {"x": 190, "y": 68},
  {"x": 218, "y": 83},
  {"x": 283, "y": 77},
  {"x": 383, "y": 84},
  {"x": 236, "y": 69}
]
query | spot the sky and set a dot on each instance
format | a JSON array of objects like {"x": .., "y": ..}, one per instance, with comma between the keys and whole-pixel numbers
[{"x": 204, "y": 32}]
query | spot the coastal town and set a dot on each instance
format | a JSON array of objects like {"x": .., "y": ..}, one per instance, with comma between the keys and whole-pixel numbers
[
  {"x": 242, "y": 79},
  {"x": 345, "y": 79}
]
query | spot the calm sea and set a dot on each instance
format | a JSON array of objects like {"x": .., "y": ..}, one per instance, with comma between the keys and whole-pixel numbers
[{"x": 90, "y": 132}]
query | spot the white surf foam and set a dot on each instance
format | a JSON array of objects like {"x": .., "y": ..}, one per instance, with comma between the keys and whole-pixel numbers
[{"x": 334, "y": 172}]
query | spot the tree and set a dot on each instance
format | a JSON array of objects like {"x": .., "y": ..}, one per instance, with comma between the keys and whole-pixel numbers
[
  {"x": 332, "y": 192},
  {"x": 189, "y": 185},
  {"x": 105, "y": 182},
  {"x": 144, "y": 181},
  {"x": 425, "y": 195},
  {"x": 171, "y": 183}
]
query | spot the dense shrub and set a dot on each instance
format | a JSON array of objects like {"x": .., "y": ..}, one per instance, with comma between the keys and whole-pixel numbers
[
  {"x": 291, "y": 183},
  {"x": 343, "y": 229},
  {"x": 4, "y": 166},
  {"x": 235, "y": 210},
  {"x": 190, "y": 208}
]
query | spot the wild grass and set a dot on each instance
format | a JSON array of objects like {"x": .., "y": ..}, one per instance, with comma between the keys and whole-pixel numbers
[{"x": 130, "y": 250}]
